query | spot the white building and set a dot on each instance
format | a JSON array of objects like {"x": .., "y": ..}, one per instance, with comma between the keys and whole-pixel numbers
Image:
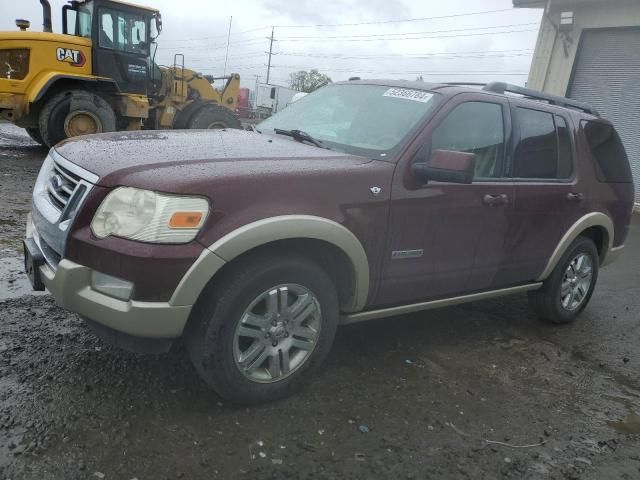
[{"x": 589, "y": 50}]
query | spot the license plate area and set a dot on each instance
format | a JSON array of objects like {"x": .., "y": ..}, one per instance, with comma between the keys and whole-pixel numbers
[{"x": 33, "y": 259}]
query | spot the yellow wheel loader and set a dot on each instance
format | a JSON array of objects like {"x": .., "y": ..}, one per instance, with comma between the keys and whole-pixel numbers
[{"x": 99, "y": 75}]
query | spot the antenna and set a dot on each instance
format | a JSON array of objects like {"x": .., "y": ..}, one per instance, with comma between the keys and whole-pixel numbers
[{"x": 226, "y": 55}]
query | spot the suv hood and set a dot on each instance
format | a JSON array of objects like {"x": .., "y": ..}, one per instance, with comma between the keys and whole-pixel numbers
[{"x": 174, "y": 157}]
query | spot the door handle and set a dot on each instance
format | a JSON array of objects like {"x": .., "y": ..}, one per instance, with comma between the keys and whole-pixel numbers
[
  {"x": 575, "y": 197},
  {"x": 499, "y": 199}
]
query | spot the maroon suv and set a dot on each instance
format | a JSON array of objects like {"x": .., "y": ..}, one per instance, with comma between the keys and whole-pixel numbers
[{"x": 365, "y": 199}]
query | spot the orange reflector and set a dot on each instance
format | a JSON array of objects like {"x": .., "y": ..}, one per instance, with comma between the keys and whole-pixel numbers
[{"x": 185, "y": 219}]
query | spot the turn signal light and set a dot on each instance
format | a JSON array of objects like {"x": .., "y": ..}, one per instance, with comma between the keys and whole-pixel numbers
[{"x": 185, "y": 220}]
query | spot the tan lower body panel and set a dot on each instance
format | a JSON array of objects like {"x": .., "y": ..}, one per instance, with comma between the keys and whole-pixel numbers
[
  {"x": 70, "y": 285},
  {"x": 444, "y": 302}
]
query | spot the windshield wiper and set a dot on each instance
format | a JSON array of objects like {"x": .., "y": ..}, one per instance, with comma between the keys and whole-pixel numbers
[{"x": 300, "y": 136}]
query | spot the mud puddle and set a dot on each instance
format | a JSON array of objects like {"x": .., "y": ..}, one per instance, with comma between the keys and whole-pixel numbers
[
  {"x": 630, "y": 424},
  {"x": 13, "y": 281}
]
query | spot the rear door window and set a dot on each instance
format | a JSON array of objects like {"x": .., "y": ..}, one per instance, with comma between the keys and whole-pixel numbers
[
  {"x": 565, "y": 164},
  {"x": 610, "y": 157},
  {"x": 544, "y": 148}
]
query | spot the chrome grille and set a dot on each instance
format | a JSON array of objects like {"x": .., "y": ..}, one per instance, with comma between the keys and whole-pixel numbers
[
  {"x": 58, "y": 193},
  {"x": 62, "y": 183}
]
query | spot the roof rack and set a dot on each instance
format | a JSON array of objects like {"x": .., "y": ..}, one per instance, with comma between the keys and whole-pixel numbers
[
  {"x": 463, "y": 84},
  {"x": 502, "y": 87}
]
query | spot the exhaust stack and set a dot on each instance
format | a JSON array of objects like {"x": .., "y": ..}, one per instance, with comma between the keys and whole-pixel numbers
[{"x": 46, "y": 16}]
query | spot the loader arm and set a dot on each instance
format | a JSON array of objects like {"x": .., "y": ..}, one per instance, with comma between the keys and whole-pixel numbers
[{"x": 229, "y": 94}]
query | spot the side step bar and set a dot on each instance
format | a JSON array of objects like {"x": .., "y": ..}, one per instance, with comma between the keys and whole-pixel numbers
[{"x": 347, "y": 319}]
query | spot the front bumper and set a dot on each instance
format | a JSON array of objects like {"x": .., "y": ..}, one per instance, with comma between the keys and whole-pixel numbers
[
  {"x": 70, "y": 285},
  {"x": 11, "y": 106},
  {"x": 74, "y": 285}
]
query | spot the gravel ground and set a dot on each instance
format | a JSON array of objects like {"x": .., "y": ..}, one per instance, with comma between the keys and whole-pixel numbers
[{"x": 476, "y": 391}]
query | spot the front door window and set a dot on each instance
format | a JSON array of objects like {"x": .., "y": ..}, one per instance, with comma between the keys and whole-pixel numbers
[
  {"x": 121, "y": 31},
  {"x": 474, "y": 127}
]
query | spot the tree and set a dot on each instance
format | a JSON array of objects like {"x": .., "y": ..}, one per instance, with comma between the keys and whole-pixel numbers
[{"x": 308, "y": 81}]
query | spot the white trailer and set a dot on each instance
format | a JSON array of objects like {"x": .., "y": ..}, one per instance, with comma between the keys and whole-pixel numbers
[{"x": 271, "y": 99}]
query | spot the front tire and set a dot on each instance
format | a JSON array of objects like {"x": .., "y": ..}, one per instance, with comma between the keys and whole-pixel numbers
[
  {"x": 258, "y": 331},
  {"x": 567, "y": 291},
  {"x": 34, "y": 133},
  {"x": 214, "y": 117},
  {"x": 73, "y": 113}
]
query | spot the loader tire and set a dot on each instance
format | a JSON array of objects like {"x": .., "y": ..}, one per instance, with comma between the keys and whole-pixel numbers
[
  {"x": 73, "y": 113},
  {"x": 34, "y": 133},
  {"x": 214, "y": 117}
]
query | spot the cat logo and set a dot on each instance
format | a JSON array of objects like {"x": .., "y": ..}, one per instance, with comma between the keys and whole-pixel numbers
[{"x": 74, "y": 58}]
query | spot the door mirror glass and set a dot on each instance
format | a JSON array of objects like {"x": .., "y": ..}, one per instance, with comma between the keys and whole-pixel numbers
[
  {"x": 446, "y": 166},
  {"x": 157, "y": 23}
]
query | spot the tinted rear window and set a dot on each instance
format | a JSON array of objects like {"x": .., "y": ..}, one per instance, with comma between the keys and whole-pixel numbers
[
  {"x": 612, "y": 164},
  {"x": 544, "y": 149},
  {"x": 565, "y": 166}
]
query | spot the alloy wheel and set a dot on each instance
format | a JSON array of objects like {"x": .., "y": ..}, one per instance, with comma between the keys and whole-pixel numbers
[
  {"x": 576, "y": 282},
  {"x": 277, "y": 333}
]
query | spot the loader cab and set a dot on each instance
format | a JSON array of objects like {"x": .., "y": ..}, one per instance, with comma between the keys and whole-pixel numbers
[{"x": 121, "y": 34}]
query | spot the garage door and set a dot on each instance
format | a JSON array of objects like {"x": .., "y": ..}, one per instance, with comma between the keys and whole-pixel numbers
[{"x": 607, "y": 75}]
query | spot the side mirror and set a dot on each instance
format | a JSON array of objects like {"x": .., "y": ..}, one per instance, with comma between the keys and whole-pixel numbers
[
  {"x": 272, "y": 95},
  {"x": 446, "y": 166},
  {"x": 157, "y": 18}
]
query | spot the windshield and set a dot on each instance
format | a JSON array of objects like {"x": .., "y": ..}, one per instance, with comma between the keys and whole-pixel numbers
[{"x": 369, "y": 120}]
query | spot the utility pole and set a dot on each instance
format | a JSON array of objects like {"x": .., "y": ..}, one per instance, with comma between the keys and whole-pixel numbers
[
  {"x": 255, "y": 97},
  {"x": 270, "y": 53},
  {"x": 226, "y": 55},
  {"x": 254, "y": 100}
]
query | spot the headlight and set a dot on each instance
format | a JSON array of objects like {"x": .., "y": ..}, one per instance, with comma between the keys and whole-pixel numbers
[{"x": 149, "y": 216}]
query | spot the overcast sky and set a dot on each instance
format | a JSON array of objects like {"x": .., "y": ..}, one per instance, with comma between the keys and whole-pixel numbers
[{"x": 378, "y": 44}]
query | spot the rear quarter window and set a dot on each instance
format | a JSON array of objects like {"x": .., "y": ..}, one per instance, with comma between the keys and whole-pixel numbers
[{"x": 607, "y": 151}]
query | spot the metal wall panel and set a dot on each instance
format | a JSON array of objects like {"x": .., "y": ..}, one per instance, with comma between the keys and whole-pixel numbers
[{"x": 607, "y": 75}]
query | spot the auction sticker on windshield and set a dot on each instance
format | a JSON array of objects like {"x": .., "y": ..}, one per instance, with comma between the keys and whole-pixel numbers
[{"x": 409, "y": 94}]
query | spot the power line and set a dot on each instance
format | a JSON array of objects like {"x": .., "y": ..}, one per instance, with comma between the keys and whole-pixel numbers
[
  {"x": 398, "y": 21},
  {"x": 237, "y": 57},
  {"x": 246, "y": 42},
  {"x": 329, "y": 40},
  {"x": 400, "y": 56},
  {"x": 411, "y": 72},
  {"x": 220, "y": 36},
  {"x": 257, "y": 29},
  {"x": 411, "y": 38},
  {"x": 412, "y": 33},
  {"x": 349, "y": 36}
]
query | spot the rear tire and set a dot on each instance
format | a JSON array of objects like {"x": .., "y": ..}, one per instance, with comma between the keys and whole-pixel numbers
[
  {"x": 73, "y": 113},
  {"x": 214, "y": 117},
  {"x": 246, "y": 328},
  {"x": 567, "y": 291},
  {"x": 34, "y": 133}
]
